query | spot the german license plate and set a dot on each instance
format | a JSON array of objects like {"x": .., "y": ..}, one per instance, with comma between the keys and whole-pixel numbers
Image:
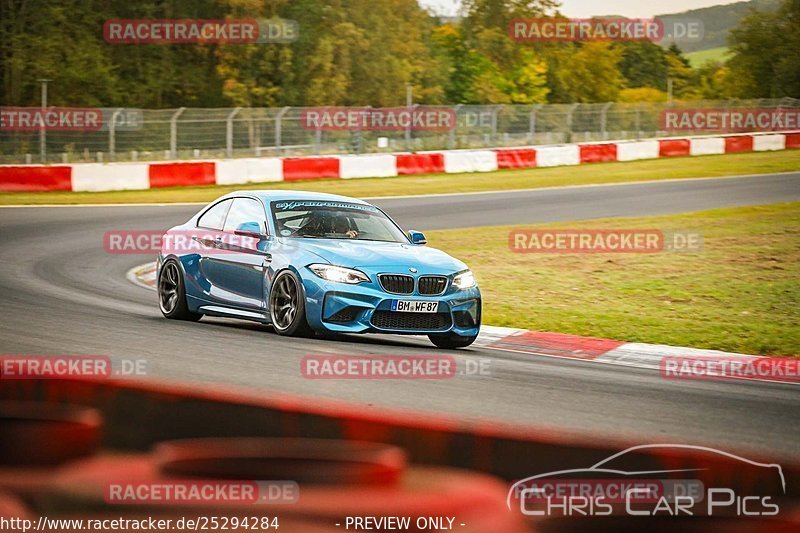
[{"x": 415, "y": 306}]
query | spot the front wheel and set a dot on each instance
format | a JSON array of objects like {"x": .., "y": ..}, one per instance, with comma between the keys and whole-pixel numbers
[
  {"x": 287, "y": 306},
  {"x": 451, "y": 341},
  {"x": 172, "y": 294}
]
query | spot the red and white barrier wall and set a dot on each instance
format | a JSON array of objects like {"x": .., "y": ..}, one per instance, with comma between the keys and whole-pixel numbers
[{"x": 132, "y": 176}]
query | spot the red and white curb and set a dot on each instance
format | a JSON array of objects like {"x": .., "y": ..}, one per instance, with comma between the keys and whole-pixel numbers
[
  {"x": 95, "y": 177},
  {"x": 575, "y": 347},
  {"x": 143, "y": 275}
]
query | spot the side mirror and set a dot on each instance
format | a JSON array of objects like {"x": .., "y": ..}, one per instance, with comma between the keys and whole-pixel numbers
[
  {"x": 250, "y": 229},
  {"x": 417, "y": 237}
]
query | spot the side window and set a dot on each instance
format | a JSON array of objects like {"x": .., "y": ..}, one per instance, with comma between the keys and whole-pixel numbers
[
  {"x": 214, "y": 218},
  {"x": 245, "y": 210}
]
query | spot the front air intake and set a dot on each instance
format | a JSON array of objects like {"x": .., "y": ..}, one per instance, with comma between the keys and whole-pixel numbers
[
  {"x": 397, "y": 283},
  {"x": 431, "y": 285}
]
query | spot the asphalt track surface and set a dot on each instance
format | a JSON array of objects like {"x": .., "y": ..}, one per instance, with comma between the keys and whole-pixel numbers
[{"x": 62, "y": 294}]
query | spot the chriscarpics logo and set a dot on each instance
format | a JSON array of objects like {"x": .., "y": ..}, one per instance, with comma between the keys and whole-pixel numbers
[{"x": 655, "y": 480}]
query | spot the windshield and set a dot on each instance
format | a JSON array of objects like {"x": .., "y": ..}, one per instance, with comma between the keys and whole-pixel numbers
[{"x": 334, "y": 220}]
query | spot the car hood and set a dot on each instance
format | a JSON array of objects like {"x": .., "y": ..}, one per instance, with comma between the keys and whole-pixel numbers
[{"x": 371, "y": 254}]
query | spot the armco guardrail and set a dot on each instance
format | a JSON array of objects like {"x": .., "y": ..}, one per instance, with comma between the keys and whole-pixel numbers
[
  {"x": 124, "y": 134},
  {"x": 137, "y": 176}
]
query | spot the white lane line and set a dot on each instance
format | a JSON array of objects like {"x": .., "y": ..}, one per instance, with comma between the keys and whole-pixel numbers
[
  {"x": 145, "y": 204},
  {"x": 586, "y": 186},
  {"x": 432, "y": 195}
]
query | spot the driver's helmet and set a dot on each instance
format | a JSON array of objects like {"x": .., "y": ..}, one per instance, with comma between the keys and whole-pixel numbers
[
  {"x": 316, "y": 223},
  {"x": 339, "y": 223}
]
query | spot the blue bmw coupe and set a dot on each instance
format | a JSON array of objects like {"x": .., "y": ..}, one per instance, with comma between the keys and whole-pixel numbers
[{"x": 313, "y": 262}]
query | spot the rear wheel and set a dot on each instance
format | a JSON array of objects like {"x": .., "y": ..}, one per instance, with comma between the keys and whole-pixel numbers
[
  {"x": 451, "y": 340},
  {"x": 287, "y": 306},
  {"x": 172, "y": 293}
]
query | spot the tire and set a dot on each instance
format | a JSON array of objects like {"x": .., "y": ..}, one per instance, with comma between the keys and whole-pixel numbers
[
  {"x": 172, "y": 293},
  {"x": 451, "y": 341},
  {"x": 287, "y": 309}
]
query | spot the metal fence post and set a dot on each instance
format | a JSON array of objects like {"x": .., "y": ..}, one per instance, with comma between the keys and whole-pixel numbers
[
  {"x": 571, "y": 110},
  {"x": 604, "y": 119},
  {"x": 112, "y": 132},
  {"x": 638, "y": 121},
  {"x": 452, "y": 137},
  {"x": 43, "y": 126},
  {"x": 229, "y": 132},
  {"x": 173, "y": 133},
  {"x": 532, "y": 121},
  {"x": 279, "y": 128},
  {"x": 359, "y": 135},
  {"x": 408, "y": 128},
  {"x": 495, "y": 110}
]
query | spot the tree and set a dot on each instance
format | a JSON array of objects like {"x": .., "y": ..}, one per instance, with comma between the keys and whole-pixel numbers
[
  {"x": 41, "y": 39},
  {"x": 642, "y": 94},
  {"x": 643, "y": 64},
  {"x": 713, "y": 81},
  {"x": 587, "y": 73},
  {"x": 765, "y": 47},
  {"x": 486, "y": 66},
  {"x": 679, "y": 70}
]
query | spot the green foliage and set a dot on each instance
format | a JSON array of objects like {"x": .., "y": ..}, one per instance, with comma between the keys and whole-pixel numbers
[
  {"x": 642, "y": 94},
  {"x": 367, "y": 52},
  {"x": 586, "y": 73},
  {"x": 486, "y": 66},
  {"x": 643, "y": 64},
  {"x": 766, "y": 53},
  {"x": 679, "y": 70}
]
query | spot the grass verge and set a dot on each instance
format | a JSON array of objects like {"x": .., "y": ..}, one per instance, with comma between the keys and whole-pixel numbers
[
  {"x": 718, "y": 55},
  {"x": 741, "y": 293},
  {"x": 650, "y": 170}
]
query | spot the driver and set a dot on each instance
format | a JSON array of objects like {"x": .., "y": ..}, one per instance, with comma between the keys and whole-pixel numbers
[
  {"x": 322, "y": 223},
  {"x": 341, "y": 225}
]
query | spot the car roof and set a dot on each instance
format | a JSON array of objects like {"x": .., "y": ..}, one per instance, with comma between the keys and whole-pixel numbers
[{"x": 270, "y": 195}]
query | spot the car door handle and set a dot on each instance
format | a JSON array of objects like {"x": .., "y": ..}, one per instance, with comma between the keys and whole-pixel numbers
[{"x": 204, "y": 242}]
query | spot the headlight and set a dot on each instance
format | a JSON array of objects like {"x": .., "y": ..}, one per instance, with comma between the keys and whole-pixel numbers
[
  {"x": 464, "y": 280},
  {"x": 339, "y": 274}
]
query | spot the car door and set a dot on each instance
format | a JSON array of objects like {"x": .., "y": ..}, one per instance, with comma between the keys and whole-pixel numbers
[
  {"x": 208, "y": 235},
  {"x": 242, "y": 256}
]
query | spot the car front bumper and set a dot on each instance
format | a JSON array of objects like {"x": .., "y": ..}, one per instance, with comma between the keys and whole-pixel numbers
[{"x": 366, "y": 307}]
